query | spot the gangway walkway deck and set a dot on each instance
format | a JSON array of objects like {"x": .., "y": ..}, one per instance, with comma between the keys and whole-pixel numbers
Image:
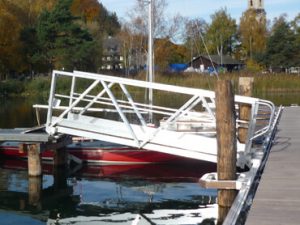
[
  {"x": 186, "y": 129},
  {"x": 277, "y": 199}
]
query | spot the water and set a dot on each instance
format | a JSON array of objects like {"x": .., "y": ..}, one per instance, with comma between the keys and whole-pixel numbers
[
  {"x": 162, "y": 194},
  {"x": 106, "y": 194}
]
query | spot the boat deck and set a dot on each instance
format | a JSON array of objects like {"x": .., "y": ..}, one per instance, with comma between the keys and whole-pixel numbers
[{"x": 277, "y": 198}]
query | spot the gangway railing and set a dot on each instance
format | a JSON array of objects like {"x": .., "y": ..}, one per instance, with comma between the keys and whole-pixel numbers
[{"x": 114, "y": 109}]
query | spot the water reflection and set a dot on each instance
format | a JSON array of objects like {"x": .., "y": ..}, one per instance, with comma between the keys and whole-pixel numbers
[
  {"x": 18, "y": 112},
  {"x": 161, "y": 194}
]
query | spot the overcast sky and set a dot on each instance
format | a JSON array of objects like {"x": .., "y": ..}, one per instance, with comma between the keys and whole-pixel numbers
[{"x": 205, "y": 8}]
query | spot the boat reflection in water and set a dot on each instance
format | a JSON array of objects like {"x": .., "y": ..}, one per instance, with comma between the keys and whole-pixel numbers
[{"x": 128, "y": 194}]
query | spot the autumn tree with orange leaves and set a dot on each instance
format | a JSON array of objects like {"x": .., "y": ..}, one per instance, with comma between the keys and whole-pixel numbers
[{"x": 20, "y": 45}]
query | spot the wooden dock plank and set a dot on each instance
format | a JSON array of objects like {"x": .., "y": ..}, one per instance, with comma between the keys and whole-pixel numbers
[
  {"x": 277, "y": 200},
  {"x": 19, "y": 135}
]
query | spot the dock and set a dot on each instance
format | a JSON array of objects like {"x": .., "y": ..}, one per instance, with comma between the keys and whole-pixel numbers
[
  {"x": 277, "y": 198},
  {"x": 33, "y": 141},
  {"x": 25, "y": 135},
  {"x": 191, "y": 128},
  {"x": 35, "y": 135}
]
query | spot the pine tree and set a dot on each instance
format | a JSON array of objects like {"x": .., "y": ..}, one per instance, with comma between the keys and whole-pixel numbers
[
  {"x": 62, "y": 42},
  {"x": 281, "y": 49}
]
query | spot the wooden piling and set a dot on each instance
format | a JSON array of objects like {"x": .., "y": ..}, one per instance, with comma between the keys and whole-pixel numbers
[
  {"x": 245, "y": 89},
  {"x": 60, "y": 157},
  {"x": 34, "y": 191},
  {"x": 226, "y": 140},
  {"x": 60, "y": 177},
  {"x": 34, "y": 160}
]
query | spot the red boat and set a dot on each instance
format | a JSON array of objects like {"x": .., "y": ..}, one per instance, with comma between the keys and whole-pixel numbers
[
  {"x": 190, "y": 172},
  {"x": 99, "y": 152}
]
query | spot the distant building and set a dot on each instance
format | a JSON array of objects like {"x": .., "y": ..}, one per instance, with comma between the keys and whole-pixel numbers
[
  {"x": 112, "y": 58},
  {"x": 205, "y": 63}
]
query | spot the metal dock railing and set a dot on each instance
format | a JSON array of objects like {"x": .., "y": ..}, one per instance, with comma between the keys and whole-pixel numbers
[{"x": 187, "y": 129}]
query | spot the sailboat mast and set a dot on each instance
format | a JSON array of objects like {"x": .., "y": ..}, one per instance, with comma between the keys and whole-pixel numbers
[{"x": 150, "y": 57}]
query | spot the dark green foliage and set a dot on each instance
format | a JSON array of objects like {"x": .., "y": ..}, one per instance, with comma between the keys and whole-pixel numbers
[
  {"x": 112, "y": 25},
  {"x": 221, "y": 33},
  {"x": 62, "y": 42},
  {"x": 281, "y": 46},
  {"x": 11, "y": 87},
  {"x": 58, "y": 37}
]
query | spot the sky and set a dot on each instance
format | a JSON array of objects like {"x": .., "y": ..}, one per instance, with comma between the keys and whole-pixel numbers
[{"x": 205, "y": 8}]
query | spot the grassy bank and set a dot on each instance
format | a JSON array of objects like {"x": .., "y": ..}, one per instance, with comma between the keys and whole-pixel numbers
[
  {"x": 284, "y": 83},
  {"x": 266, "y": 83}
]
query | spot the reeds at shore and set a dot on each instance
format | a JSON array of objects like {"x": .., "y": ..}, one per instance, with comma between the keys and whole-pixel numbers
[{"x": 263, "y": 83}]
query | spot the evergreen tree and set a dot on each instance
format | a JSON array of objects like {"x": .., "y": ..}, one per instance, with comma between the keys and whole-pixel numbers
[
  {"x": 296, "y": 29},
  {"x": 62, "y": 42},
  {"x": 281, "y": 50}
]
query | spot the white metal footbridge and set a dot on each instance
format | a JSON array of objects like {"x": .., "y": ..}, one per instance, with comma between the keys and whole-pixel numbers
[{"x": 113, "y": 109}]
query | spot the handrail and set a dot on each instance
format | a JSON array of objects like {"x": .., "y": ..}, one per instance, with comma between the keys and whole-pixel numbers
[
  {"x": 100, "y": 96},
  {"x": 265, "y": 129}
]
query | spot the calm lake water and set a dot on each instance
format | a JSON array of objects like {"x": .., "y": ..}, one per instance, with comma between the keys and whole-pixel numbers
[
  {"x": 163, "y": 194},
  {"x": 105, "y": 195}
]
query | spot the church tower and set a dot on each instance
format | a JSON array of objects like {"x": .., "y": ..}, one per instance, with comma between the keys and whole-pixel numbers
[{"x": 258, "y": 6}]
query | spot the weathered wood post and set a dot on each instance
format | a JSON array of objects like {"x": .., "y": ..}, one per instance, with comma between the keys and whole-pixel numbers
[
  {"x": 226, "y": 139},
  {"x": 60, "y": 157},
  {"x": 34, "y": 174},
  {"x": 245, "y": 89},
  {"x": 34, "y": 160},
  {"x": 60, "y": 177},
  {"x": 34, "y": 191},
  {"x": 60, "y": 168}
]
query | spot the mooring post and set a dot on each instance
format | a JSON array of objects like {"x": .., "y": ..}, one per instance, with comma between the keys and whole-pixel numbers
[
  {"x": 60, "y": 178},
  {"x": 245, "y": 89},
  {"x": 34, "y": 191},
  {"x": 34, "y": 173},
  {"x": 226, "y": 140},
  {"x": 60, "y": 157},
  {"x": 34, "y": 160},
  {"x": 60, "y": 168}
]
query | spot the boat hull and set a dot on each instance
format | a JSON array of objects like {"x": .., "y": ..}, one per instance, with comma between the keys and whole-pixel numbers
[{"x": 98, "y": 153}]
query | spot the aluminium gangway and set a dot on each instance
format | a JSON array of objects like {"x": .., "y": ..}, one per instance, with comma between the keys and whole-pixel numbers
[{"x": 113, "y": 109}]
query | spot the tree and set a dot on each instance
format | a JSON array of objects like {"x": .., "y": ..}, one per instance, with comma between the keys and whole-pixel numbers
[
  {"x": 282, "y": 49},
  {"x": 253, "y": 34},
  {"x": 164, "y": 30},
  {"x": 96, "y": 17},
  {"x": 221, "y": 33},
  {"x": 138, "y": 28},
  {"x": 62, "y": 42},
  {"x": 16, "y": 15},
  {"x": 168, "y": 53},
  {"x": 98, "y": 21},
  {"x": 194, "y": 36},
  {"x": 40, "y": 35},
  {"x": 139, "y": 17},
  {"x": 295, "y": 25}
]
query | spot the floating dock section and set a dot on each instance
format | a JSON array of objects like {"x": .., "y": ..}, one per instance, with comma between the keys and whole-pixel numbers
[{"x": 277, "y": 199}]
